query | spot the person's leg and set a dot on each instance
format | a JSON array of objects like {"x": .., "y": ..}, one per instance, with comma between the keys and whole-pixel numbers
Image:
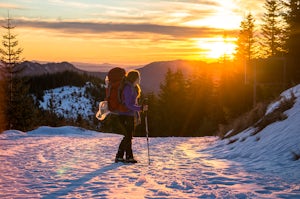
[
  {"x": 126, "y": 143},
  {"x": 122, "y": 146},
  {"x": 128, "y": 139}
]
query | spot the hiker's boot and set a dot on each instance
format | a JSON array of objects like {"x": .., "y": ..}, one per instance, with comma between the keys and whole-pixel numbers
[
  {"x": 119, "y": 156},
  {"x": 119, "y": 160},
  {"x": 130, "y": 160}
]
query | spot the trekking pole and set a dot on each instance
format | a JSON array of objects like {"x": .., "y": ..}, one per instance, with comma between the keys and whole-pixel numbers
[{"x": 147, "y": 131}]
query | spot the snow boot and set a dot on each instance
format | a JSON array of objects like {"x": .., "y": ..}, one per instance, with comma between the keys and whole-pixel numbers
[
  {"x": 119, "y": 160},
  {"x": 130, "y": 160},
  {"x": 119, "y": 156}
]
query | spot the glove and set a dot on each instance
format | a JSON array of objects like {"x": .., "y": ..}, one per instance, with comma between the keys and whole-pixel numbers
[{"x": 145, "y": 107}]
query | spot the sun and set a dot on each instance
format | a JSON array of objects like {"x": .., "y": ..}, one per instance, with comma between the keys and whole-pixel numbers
[
  {"x": 216, "y": 48},
  {"x": 220, "y": 49}
]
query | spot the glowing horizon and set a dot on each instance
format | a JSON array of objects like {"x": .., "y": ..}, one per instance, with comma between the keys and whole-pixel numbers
[{"x": 126, "y": 32}]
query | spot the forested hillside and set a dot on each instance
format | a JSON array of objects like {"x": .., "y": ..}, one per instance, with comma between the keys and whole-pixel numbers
[
  {"x": 192, "y": 100},
  {"x": 83, "y": 85}
]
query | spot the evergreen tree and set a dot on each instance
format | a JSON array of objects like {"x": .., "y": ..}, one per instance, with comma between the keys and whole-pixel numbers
[
  {"x": 172, "y": 103},
  {"x": 273, "y": 30},
  {"x": 246, "y": 41},
  {"x": 199, "y": 97},
  {"x": 18, "y": 104},
  {"x": 293, "y": 44},
  {"x": 21, "y": 109},
  {"x": 10, "y": 51}
]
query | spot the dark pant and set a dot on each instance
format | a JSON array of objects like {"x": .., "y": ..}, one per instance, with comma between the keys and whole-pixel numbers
[{"x": 126, "y": 144}]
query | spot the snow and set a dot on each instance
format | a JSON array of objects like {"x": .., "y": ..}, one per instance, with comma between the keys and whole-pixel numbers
[
  {"x": 68, "y": 101},
  {"x": 71, "y": 162},
  {"x": 271, "y": 150},
  {"x": 285, "y": 95}
]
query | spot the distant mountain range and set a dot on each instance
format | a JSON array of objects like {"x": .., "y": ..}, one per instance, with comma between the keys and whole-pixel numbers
[
  {"x": 35, "y": 69},
  {"x": 152, "y": 75},
  {"x": 104, "y": 67},
  {"x": 28, "y": 68}
]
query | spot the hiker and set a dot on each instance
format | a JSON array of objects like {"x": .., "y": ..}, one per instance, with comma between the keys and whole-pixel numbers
[{"x": 130, "y": 94}]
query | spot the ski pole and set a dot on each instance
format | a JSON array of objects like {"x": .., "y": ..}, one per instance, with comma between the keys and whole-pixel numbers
[{"x": 147, "y": 131}]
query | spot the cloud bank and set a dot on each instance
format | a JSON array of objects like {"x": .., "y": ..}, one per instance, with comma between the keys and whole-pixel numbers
[{"x": 98, "y": 27}]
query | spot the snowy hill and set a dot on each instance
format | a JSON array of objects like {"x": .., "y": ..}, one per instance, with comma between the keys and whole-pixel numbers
[
  {"x": 69, "y": 102},
  {"x": 71, "y": 162},
  {"x": 274, "y": 149}
]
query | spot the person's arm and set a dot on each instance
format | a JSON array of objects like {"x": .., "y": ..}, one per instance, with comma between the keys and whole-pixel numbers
[{"x": 129, "y": 99}]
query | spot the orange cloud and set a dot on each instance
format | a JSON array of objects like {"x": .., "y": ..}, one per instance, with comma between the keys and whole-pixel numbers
[{"x": 73, "y": 27}]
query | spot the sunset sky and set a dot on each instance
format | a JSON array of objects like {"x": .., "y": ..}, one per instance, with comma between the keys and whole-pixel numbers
[{"x": 124, "y": 31}]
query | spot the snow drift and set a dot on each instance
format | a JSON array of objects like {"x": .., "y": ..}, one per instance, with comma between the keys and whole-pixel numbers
[{"x": 274, "y": 149}]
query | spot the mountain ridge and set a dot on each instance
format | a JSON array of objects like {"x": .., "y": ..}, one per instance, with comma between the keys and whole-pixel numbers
[
  {"x": 28, "y": 68},
  {"x": 152, "y": 74}
]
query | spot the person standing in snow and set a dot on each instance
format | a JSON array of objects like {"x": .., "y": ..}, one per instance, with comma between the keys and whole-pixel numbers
[{"x": 130, "y": 95}]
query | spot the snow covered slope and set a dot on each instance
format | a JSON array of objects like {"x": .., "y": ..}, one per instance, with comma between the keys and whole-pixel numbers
[
  {"x": 69, "y": 102},
  {"x": 275, "y": 149},
  {"x": 71, "y": 162}
]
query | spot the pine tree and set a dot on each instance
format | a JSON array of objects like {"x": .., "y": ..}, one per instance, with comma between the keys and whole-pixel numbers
[
  {"x": 246, "y": 41},
  {"x": 293, "y": 43},
  {"x": 18, "y": 104},
  {"x": 273, "y": 29},
  {"x": 10, "y": 52},
  {"x": 172, "y": 103},
  {"x": 199, "y": 97},
  {"x": 21, "y": 109}
]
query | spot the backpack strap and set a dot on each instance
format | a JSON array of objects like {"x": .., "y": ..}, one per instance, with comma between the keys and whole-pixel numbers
[
  {"x": 120, "y": 91},
  {"x": 108, "y": 91}
]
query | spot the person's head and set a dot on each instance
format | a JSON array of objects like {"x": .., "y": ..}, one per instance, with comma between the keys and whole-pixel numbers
[{"x": 133, "y": 77}]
